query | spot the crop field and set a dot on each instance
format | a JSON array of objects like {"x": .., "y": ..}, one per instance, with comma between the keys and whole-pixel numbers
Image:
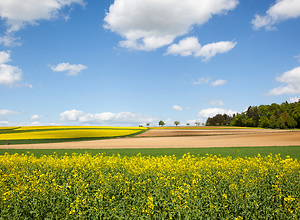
[
  {"x": 204, "y": 127},
  {"x": 96, "y": 178},
  {"x": 40, "y": 134},
  {"x": 82, "y": 186}
]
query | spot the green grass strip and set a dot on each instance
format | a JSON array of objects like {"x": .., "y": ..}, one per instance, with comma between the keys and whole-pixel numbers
[{"x": 292, "y": 151}]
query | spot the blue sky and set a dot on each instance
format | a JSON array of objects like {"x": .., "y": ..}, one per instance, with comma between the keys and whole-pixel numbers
[{"x": 131, "y": 62}]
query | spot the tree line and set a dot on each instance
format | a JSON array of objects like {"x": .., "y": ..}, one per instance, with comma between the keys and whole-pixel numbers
[{"x": 285, "y": 115}]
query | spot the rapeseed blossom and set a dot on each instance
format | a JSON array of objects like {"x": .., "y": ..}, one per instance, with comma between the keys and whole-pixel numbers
[{"x": 113, "y": 187}]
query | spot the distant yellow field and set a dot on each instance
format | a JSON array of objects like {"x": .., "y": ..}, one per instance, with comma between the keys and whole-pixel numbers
[
  {"x": 66, "y": 132},
  {"x": 7, "y": 128},
  {"x": 72, "y": 127}
]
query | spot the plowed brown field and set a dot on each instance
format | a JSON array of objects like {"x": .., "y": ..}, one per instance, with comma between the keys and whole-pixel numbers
[{"x": 180, "y": 138}]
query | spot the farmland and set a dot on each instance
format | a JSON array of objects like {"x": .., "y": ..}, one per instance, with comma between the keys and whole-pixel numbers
[
  {"x": 46, "y": 134},
  {"x": 165, "y": 187},
  {"x": 170, "y": 138},
  {"x": 150, "y": 174}
]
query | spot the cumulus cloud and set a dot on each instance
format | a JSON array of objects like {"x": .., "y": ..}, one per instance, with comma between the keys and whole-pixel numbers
[
  {"x": 18, "y": 14},
  {"x": 35, "y": 117},
  {"x": 191, "y": 47},
  {"x": 8, "y": 112},
  {"x": 219, "y": 82},
  {"x": 292, "y": 83},
  {"x": 73, "y": 69},
  {"x": 177, "y": 108},
  {"x": 210, "y": 112},
  {"x": 4, "y": 123},
  {"x": 186, "y": 47},
  {"x": 216, "y": 102},
  {"x": 10, "y": 75},
  {"x": 280, "y": 11},
  {"x": 148, "y": 25},
  {"x": 107, "y": 118},
  {"x": 294, "y": 99},
  {"x": 71, "y": 115},
  {"x": 4, "y": 57}
]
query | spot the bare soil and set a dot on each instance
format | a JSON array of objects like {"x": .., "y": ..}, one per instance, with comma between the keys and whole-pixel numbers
[
  {"x": 203, "y": 132},
  {"x": 182, "y": 139}
]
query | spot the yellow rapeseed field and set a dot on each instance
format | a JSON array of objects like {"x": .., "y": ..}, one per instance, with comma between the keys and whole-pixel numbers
[
  {"x": 113, "y": 187},
  {"x": 25, "y": 128},
  {"x": 66, "y": 132},
  {"x": 62, "y": 134}
]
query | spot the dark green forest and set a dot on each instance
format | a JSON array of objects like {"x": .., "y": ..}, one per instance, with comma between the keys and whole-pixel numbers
[{"x": 283, "y": 116}]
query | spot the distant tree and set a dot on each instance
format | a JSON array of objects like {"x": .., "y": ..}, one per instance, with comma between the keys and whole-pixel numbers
[
  {"x": 285, "y": 115},
  {"x": 280, "y": 123},
  {"x": 289, "y": 122},
  {"x": 219, "y": 120},
  {"x": 296, "y": 114},
  {"x": 187, "y": 124},
  {"x": 264, "y": 122},
  {"x": 197, "y": 123},
  {"x": 147, "y": 124},
  {"x": 273, "y": 121},
  {"x": 161, "y": 123},
  {"x": 176, "y": 123}
]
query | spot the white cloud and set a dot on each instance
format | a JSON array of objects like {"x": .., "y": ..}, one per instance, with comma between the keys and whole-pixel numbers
[
  {"x": 9, "y": 40},
  {"x": 73, "y": 69},
  {"x": 17, "y": 14},
  {"x": 4, "y": 123},
  {"x": 148, "y": 24},
  {"x": 8, "y": 112},
  {"x": 177, "y": 108},
  {"x": 281, "y": 10},
  {"x": 36, "y": 123},
  {"x": 191, "y": 47},
  {"x": 218, "y": 82},
  {"x": 292, "y": 79},
  {"x": 210, "y": 112},
  {"x": 169, "y": 122},
  {"x": 216, "y": 102},
  {"x": 4, "y": 57},
  {"x": 35, "y": 117},
  {"x": 107, "y": 118},
  {"x": 201, "y": 81},
  {"x": 297, "y": 57},
  {"x": 10, "y": 75},
  {"x": 210, "y": 50},
  {"x": 186, "y": 47},
  {"x": 294, "y": 99},
  {"x": 71, "y": 115}
]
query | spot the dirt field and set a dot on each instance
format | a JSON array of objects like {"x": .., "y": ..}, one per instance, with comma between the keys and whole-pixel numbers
[
  {"x": 183, "y": 139},
  {"x": 203, "y": 132}
]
